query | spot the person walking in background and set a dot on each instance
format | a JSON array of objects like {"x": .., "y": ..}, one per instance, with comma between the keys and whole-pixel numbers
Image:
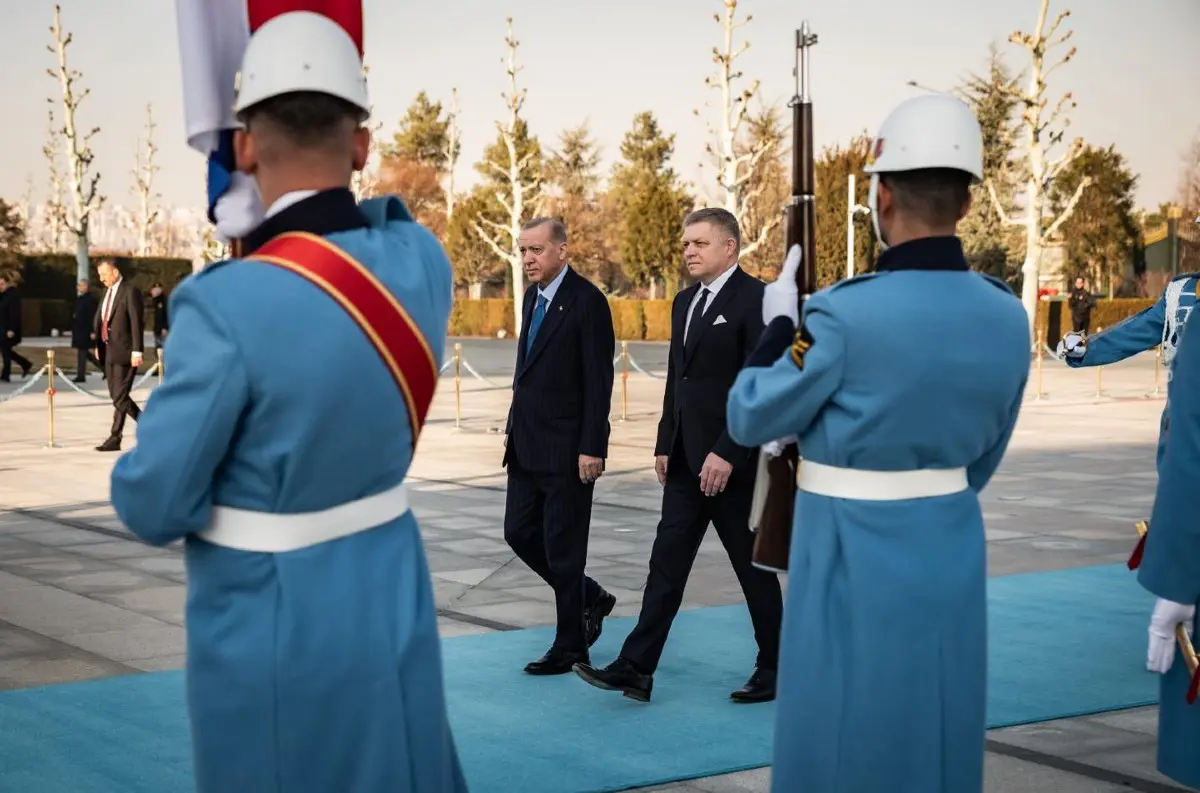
[
  {"x": 119, "y": 326},
  {"x": 10, "y": 326},
  {"x": 83, "y": 331},
  {"x": 1081, "y": 303},
  {"x": 556, "y": 438},
  {"x": 158, "y": 302}
]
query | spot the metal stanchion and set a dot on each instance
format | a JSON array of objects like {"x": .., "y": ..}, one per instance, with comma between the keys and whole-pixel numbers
[
  {"x": 161, "y": 365},
  {"x": 1157, "y": 370},
  {"x": 1099, "y": 373},
  {"x": 457, "y": 385},
  {"x": 624, "y": 380},
  {"x": 50, "y": 375}
]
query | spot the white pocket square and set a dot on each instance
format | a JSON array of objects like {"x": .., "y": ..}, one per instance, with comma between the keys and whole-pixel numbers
[{"x": 720, "y": 320}]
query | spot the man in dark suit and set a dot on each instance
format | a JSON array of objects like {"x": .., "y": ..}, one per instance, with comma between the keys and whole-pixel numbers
[
  {"x": 556, "y": 440},
  {"x": 119, "y": 327},
  {"x": 83, "y": 330},
  {"x": 715, "y": 325}
]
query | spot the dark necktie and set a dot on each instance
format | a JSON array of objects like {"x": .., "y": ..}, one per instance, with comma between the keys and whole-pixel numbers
[
  {"x": 697, "y": 312},
  {"x": 539, "y": 313}
]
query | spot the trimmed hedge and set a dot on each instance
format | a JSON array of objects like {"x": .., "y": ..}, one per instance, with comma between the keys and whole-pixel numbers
[
  {"x": 1055, "y": 316},
  {"x": 52, "y": 276}
]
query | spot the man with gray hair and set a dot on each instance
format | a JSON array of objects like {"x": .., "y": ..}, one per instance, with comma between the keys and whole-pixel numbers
[
  {"x": 706, "y": 476},
  {"x": 556, "y": 437}
]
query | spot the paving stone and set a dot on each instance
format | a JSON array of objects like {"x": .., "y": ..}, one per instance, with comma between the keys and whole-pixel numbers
[{"x": 132, "y": 644}]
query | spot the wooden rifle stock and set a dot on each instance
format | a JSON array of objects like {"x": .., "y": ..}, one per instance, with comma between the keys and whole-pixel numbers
[{"x": 773, "y": 509}]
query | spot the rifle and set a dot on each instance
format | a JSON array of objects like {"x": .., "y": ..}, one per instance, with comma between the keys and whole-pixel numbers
[{"x": 775, "y": 496}]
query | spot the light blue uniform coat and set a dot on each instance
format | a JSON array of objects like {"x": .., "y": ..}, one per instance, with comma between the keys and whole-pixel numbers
[
  {"x": 1171, "y": 563},
  {"x": 882, "y": 677},
  {"x": 1162, "y": 323},
  {"x": 316, "y": 670}
]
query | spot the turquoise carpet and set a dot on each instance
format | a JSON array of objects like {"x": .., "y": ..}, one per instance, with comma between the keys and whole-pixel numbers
[{"x": 1062, "y": 644}]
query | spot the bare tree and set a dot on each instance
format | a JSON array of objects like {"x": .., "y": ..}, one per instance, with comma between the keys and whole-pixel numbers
[
  {"x": 143, "y": 182},
  {"x": 737, "y": 160},
  {"x": 1039, "y": 138},
  {"x": 1188, "y": 194},
  {"x": 519, "y": 182},
  {"x": 55, "y": 213},
  {"x": 79, "y": 151},
  {"x": 453, "y": 146}
]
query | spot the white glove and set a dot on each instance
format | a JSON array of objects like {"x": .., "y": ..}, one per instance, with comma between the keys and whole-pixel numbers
[
  {"x": 1073, "y": 345},
  {"x": 239, "y": 210},
  {"x": 775, "y": 448},
  {"x": 781, "y": 298},
  {"x": 1161, "y": 652}
]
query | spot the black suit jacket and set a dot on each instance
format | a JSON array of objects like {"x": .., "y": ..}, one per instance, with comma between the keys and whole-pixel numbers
[
  {"x": 700, "y": 373},
  {"x": 10, "y": 315},
  {"x": 83, "y": 324},
  {"x": 562, "y": 389},
  {"x": 126, "y": 332}
]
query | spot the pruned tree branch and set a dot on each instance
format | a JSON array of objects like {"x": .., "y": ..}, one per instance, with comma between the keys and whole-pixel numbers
[
  {"x": 1069, "y": 207},
  {"x": 453, "y": 146},
  {"x": 143, "y": 181},
  {"x": 84, "y": 185},
  {"x": 1000, "y": 213},
  {"x": 55, "y": 209}
]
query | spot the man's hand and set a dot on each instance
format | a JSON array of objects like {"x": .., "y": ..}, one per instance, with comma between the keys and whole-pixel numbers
[
  {"x": 1161, "y": 652},
  {"x": 9, "y": 334},
  {"x": 1073, "y": 345},
  {"x": 590, "y": 468},
  {"x": 781, "y": 298},
  {"x": 714, "y": 475},
  {"x": 660, "y": 468},
  {"x": 135, "y": 359}
]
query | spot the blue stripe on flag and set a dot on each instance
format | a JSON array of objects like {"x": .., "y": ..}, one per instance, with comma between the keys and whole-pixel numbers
[{"x": 220, "y": 170}]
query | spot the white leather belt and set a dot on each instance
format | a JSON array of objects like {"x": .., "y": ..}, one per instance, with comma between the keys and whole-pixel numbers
[
  {"x": 828, "y": 480},
  {"x": 266, "y": 532}
]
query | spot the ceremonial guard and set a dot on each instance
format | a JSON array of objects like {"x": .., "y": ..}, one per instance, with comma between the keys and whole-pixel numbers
[
  {"x": 1170, "y": 569},
  {"x": 903, "y": 410},
  {"x": 1163, "y": 323},
  {"x": 313, "y": 657}
]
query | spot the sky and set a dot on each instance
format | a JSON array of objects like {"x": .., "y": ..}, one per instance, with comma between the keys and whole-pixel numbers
[{"x": 1134, "y": 76}]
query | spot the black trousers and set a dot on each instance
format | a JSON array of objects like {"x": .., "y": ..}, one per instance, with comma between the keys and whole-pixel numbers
[
  {"x": 547, "y": 517},
  {"x": 81, "y": 363},
  {"x": 120, "y": 384},
  {"x": 686, "y": 513},
  {"x": 1080, "y": 322},
  {"x": 8, "y": 354}
]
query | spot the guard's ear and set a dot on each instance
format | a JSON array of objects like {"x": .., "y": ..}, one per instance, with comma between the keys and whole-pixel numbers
[
  {"x": 362, "y": 147},
  {"x": 245, "y": 152}
]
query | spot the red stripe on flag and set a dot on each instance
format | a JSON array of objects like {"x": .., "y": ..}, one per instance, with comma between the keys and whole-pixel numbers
[{"x": 347, "y": 13}]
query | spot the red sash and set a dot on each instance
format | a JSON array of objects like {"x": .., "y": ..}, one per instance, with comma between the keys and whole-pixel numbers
[{"x": 386, "y": 324}]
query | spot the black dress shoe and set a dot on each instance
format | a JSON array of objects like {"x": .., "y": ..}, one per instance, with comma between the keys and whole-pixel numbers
[
  {"x": 618, "y": 676},
  {"x": 759, "y": 688},
  {"x": 110, "y": 445},
  {"x": 555, "y": 662},
  {"x": 594, "y": 615}
]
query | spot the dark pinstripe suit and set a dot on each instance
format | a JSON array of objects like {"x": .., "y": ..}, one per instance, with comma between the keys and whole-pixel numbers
[{"x": 562, "y": 393}]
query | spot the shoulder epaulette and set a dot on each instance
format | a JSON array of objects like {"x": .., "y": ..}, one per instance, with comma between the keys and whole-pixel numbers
[
  {"x": 208, "y": 268},
  {"x": 1185, "y": 276},
  {"x": 996, "y": 282},
  {"x": 858, "y": 279}
]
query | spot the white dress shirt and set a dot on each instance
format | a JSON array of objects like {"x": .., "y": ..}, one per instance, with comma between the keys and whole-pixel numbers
[{"x": 713, "y": 289}]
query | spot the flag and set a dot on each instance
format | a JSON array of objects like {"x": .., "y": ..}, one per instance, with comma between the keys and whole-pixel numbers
[{"x": 212, "y": 39}]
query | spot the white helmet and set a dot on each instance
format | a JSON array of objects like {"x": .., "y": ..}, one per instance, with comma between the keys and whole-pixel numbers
[
  {"x": 928, "y": 131},
  {"x": 301, "y": 51}
]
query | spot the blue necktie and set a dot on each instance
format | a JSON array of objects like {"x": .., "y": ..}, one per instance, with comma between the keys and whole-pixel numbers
[{"x": 539, "y": 313}]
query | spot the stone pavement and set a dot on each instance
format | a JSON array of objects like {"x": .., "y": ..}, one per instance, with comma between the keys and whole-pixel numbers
[{"x": 80, "y": 599}]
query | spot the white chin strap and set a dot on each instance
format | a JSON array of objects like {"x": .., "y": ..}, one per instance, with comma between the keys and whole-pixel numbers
[{"x": 873, "y": 205}]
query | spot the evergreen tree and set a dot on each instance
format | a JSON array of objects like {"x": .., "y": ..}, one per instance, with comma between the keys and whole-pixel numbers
[
  {"x": 832, "y": 171},
  {"x": 1101, "y": 233},
  {"x": 473, "y": 259},
  {"x": 652, "y": 206},
  {"x": 423, "y": 134},
  {"x": 572, "y": 182},
  {"x": 992, "y": 247}
]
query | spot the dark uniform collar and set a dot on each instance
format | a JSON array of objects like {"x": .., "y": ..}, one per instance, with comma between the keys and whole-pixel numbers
[
  {"x": 323, "y": 213},
  {"x": 927, "y": 253}
]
